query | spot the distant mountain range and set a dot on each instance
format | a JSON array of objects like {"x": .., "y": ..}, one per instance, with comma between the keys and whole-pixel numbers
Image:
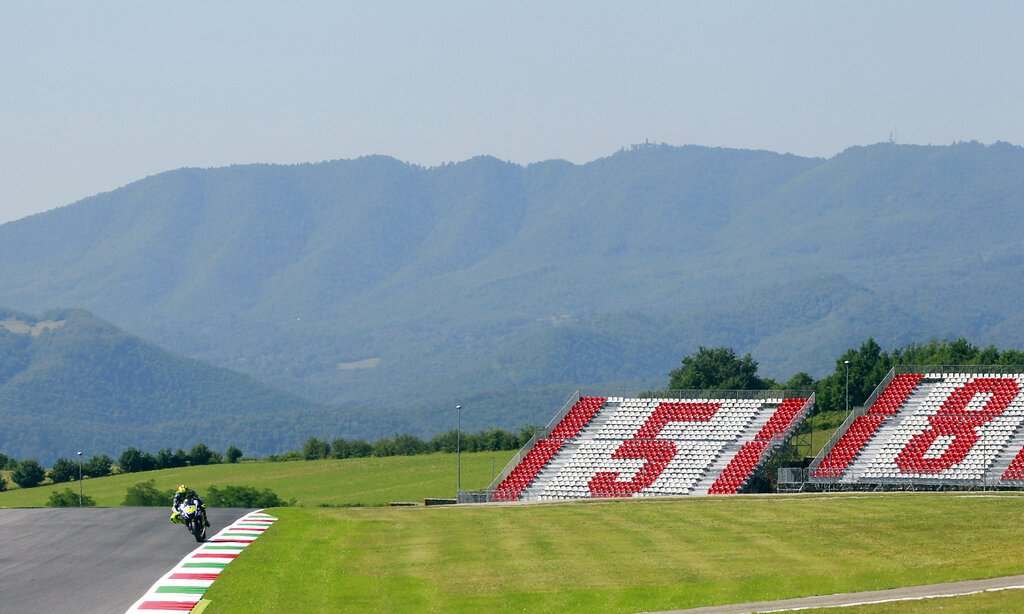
[{"x": 391, "y": 292}]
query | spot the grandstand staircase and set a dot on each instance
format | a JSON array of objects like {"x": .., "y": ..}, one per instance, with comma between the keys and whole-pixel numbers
[
  {"x": 724, "y": 458},
  {"x": 869, "y": 453},
  {"x": 1006, "y": 456},
  {"x": 567, "y": 451}
]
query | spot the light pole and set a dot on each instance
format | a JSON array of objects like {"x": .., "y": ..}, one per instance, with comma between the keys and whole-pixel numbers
[
  {"x": 847, "y": 389},
  {"x": 79, "y": 479},
  {"x": 458, "y": 450}
]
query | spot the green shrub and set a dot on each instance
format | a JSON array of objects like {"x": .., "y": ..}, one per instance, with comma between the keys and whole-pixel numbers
[
  {"x": 28, "y": 473},
  {"x": 68, "y": 498},
  {"x": 242, "y": 496},
  {"x": 98, "y": 466},
  {"x": 63, "y": 471},
  {"x": 145, "y": 494}
]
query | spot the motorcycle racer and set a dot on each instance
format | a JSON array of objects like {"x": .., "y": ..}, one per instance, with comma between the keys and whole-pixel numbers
[{"x": 182, "y": 496}]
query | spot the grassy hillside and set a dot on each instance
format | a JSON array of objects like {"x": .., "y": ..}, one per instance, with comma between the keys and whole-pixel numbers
[
  {"x": 619, "y": 556},
  {"x": 359, "y": 481}
]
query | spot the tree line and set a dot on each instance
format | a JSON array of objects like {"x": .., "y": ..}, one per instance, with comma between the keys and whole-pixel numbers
[
  {"x": 410, "y": 445},
  {"x": 28, "y": 473}
]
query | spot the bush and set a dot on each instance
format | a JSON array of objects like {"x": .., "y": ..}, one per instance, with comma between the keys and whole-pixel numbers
[
  {"x": 133, "y": 460},
  {"x": 291, "y": 455},
  {"x": 315, "y": 449},
  {"x": 28, "y": 473},
  {"x": 145, "y": 494},
  {"x": 68, "y": 498},
  {"x": 200, "y": 454},
  {"x": 350, "y": 449},
  {"x": 98, "y": 466},
  {"x": 233, "y": 454},
  {"x": 242, "y": 496},
  {"x": 63, "y": 471},
  {"x": 3, "y": 484},
  {"x": 166, "y": 460}
]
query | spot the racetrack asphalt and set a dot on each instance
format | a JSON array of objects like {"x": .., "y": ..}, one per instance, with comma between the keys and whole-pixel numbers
[{"x": 89, "y": 560}]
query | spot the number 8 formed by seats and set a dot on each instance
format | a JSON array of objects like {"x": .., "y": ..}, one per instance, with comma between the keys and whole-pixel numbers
[{"x": 953, "y": 420}]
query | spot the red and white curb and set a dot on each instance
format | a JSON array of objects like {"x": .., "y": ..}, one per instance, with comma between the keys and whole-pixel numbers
[{"x": 181, "y": 588}]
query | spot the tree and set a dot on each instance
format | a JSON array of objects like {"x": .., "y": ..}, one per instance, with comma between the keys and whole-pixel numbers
[
  {"x": 3, "y": 484},
  {"x": 63, "y": 470},
  {"x": 98, "y": 466},
  {"x": 315, "y": 449},
  {"x": 28, "y": 473},
  {"x": 68, "y": 498},
  {"x": 200, "y": 454},
  {"x": 384, "y": 447},
  {"x": 146, "y": 494},
  {"x": 350, "y": 449},
  {"x": 800, "y": 381},
  {"x": 130, "y": 460},
  {"x": 233, "y": 454},
  {"x": 409, "y": 445},
  {"x": 445, "y": 442},
  {"x": 717, "y": 369},
  {"x": 165, "y": 459},
  {"x": 180, "y": 459}
]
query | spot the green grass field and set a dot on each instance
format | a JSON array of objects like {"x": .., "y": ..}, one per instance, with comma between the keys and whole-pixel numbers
[
  {"x": 623, "y": 556},
  {"x": 362, "y": 481}
]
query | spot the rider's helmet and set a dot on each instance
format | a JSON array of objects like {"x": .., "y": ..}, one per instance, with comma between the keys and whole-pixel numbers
[{"x": 182, "y": 489}]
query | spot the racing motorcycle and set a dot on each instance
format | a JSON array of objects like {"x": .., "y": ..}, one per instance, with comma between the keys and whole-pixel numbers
[{"x": 194, "y": 518}]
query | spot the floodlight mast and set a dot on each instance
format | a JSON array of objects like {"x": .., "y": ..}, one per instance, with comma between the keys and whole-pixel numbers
[
  {"x": 458, "y": 451},
  {"x": 79, "y": 479},
  {"x": 847, "y": 389}
]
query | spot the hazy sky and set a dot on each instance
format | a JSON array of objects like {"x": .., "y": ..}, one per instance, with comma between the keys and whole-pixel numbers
[{"x": 94, "y": 95}]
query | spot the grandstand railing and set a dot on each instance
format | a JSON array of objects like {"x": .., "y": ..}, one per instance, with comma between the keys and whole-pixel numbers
[
  {"x": 777, "y": 440},
  {"x": 855, "y": 412},
  {"x": 537, "y": 436},
  {"x": 696, "y": 394}
]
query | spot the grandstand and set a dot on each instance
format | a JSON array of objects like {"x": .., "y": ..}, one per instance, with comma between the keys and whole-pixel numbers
[
  {"x": 696, "y": 442},
  {"x": 931, "y": 427}
]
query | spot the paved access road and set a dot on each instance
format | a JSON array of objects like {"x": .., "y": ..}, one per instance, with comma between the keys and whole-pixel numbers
[
  {"x": 89, "y": 560},
  {"x": 840, "y": 600}
]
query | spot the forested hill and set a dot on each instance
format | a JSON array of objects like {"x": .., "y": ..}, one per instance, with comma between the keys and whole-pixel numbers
[
  {"x": 70, "y": 381},
  {"x": 408, "y": 289}
]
